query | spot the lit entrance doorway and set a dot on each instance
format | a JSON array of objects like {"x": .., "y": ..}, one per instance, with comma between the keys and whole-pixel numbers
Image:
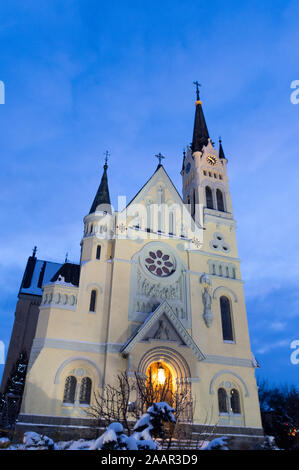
[{"x": 160, "y": 383}]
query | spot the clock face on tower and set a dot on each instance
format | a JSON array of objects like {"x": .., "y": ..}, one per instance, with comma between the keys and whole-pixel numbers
[{"x": 211, "y": 160}]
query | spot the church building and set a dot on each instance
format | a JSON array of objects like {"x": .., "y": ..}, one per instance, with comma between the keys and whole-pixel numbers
[{"x": 158, "y": 286}]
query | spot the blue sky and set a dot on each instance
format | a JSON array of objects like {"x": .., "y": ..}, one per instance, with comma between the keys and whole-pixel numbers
[{"x": 85, "y": 76}]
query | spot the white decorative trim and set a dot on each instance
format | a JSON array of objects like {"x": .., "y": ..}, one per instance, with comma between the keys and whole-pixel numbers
[
  {"x": 94, "y": 284},
  {"x": 228, "y": 372},
  {"x": 232, "y": 293},
  {"x": 229, "y": 361},
  {"x": 77, "y": 358},
  {"x": 73, "y": 345},
  {"x": 120, "y": 260}
]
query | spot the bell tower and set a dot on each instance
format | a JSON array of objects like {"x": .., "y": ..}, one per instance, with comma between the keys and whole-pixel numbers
[{"x": 204, "y": 171}]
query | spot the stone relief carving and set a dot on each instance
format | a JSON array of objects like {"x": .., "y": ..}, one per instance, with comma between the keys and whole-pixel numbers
[
  {"x": 150, "y": 294},
  {"x": 162, "y": 331}
]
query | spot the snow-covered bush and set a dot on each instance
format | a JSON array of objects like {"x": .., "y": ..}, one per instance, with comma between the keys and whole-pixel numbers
[
  {"x": 219, "y": 443},
  {"x": 4, "y": 442},
  {"x": 35, "y": 441},
  {"x": 149, "y": 425},
  {"x": 112, "y": 439},
  {"x": 269, "y": 444}
]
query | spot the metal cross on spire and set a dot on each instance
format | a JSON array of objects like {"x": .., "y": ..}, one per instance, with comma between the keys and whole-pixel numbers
[
  {"x": 197, "y": 89},
  {"x": 160, "y": 157},
  {"x": 107, "y": 154}
]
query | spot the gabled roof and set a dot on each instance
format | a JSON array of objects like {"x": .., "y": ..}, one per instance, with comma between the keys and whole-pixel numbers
[
  {"x": 160, "y": 168},
  {"x": 143, "y": 330}
]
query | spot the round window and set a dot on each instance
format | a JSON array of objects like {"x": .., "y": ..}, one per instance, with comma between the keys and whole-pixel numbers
[{"x": 160, "y": 264}]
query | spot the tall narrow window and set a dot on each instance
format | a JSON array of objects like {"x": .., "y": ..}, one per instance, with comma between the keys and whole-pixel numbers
[
  {"x": 85, "y": 391},
  {"x": 222, "y": 400},
  {"x": 209, "y": 198},
  {"x": 93, "y": 298},
  {"x": 98, "y": 254},
  {"x": 70, "y": 389},
  {"x": 220, "y": 202},
  {"x": 227, "y": 329},
  {"x": 235, "y": 401}
]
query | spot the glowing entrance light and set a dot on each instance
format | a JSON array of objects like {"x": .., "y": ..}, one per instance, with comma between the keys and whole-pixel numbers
[{"x": 161, "y": 375}]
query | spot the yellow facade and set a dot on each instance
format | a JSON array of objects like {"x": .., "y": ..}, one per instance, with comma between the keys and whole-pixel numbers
[{"x": 141, "y": 316}]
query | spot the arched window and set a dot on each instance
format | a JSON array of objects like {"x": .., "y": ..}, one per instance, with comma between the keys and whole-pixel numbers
[
  {"x": 85, "y": 391},
  {"x": 93, "y": 298},
  {"x": 220, "y": 202},
  {"x": 209, "y": 198},
  {"x": 98, "y": 253},
  {"x": 222, "y": 400},
  {"x": 235, "y": 401},
  {"x": 227, "y": 329},
  {"x": 70, "y": 389}
]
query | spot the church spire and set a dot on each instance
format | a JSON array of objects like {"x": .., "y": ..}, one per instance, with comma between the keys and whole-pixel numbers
[
  {"x": 200, "y": 131},
  {"x": 102, "y": 198}
]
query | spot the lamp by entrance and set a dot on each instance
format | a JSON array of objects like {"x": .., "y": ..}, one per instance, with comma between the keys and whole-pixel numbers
[{"x": 160, "y": 382}]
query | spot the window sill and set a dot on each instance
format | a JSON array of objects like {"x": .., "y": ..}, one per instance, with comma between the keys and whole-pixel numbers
[
  {"x": 229, "y": 341},
  {"x": 68, "y": 404}
]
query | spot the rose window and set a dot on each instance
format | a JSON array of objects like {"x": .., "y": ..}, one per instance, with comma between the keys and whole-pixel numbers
[{"x": 159, "y": 263}]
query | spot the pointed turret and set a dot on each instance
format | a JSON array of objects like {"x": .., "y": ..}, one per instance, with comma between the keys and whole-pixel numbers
[
  {"x": 200, "y": 131},
  {"x": 221, "y": 152},
  {"x": 102, "y": 197}
]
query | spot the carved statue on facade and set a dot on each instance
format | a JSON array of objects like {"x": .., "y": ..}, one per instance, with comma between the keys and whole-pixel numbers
[{"x": 207, "y": 300}]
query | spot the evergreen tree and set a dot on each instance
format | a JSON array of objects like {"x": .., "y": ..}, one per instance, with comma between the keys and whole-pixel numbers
[
  {"x": 10, "y": 400},
  {"x": 280, "y": 414}
]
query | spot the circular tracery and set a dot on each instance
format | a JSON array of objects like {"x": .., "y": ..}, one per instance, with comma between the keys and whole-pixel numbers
[{"x": 160, "y": 264}]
